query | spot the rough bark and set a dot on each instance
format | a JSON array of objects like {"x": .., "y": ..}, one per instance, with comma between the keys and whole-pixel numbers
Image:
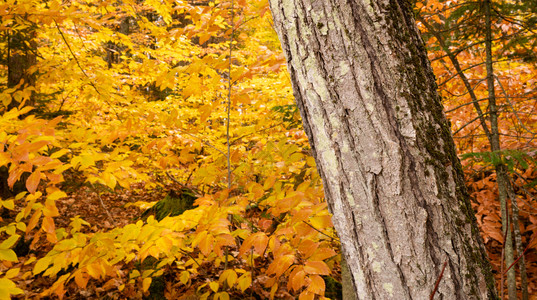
[{"x": 384, "y": 149}]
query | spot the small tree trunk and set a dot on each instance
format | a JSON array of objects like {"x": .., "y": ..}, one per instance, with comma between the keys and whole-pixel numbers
[
  {"x": 21, "y": 57},
  {"x": 384, "y": 149},
  {"x": 502, "y": 177}
]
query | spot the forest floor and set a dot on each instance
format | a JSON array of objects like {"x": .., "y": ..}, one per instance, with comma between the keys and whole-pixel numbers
[{"x": 110, "y": 210}]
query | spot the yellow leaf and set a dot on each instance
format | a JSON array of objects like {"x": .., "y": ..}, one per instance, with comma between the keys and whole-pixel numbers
[
  {"x": 146, "y": 284},
  {"x": 50, "y": 209},
  {"x": 8, "y": 243},
  {"x": 21, "y": 226},
  {"x": 164, "y": 244},
  {"x": 6, "y": 99},
  {"x": 273, "y": 290},
  {"x": 230, "y": 276},
  {"x": 109, "y": 179},
  {"x": 310, "y": 161},
  {"x": 214, "y": 286},
  {"x": 244, "y": 281},
  {"x": 8, "y": 288},
  {"x": 9, "y": 204},
  {"x": 222, "y": 296},
  {"x": 30, "y": 260},
  {"x": 12, "y": 273},
  {"x": 205, "y": 113},
  {"x": 56, "y": 195},
  {"x": 185, "y": 276},
  {"x": 8, "y": 255},
  {"x": 33, "y": 181},
  {"x": 206, "y": 244},
  {"x": 42, "y": 264},
  {"x": 20, "y": 195},
  {"x": 60, "y": 153}
]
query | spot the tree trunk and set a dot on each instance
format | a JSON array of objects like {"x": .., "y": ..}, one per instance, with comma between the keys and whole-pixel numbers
[
  {"x": 384, "y": 149},
  {"x": 21, "y": 57}
]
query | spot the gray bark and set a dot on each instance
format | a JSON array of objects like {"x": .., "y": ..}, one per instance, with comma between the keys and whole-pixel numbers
[
  {"x": 384, "y": 149},
  {"x": 502, "y": 177}
]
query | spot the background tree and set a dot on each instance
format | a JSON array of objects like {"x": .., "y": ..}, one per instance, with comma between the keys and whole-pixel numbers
[
  {"x": 383, "y": 147},
  {"x": 479, "y": 50}
]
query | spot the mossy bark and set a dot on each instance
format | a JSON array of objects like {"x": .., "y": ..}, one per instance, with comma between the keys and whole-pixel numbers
[{"x": 392, "y": 179}]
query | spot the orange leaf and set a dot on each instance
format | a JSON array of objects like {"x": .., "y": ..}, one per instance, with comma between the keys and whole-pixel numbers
[
  {"x": 206, "y": 244},
  {"x": 281, "y": 264},
  {"x": 316, "y": 267},
  {"x": 258, "y": 240},
  {"x": 33, "y": 221},
  {"x": 305, "y": 295},
  {"x": 316, "y": 285},
  {"x": 273, "y": 290},
  {"x": 297, "y": 279},
  {"x": 14, "y": 176},
  {"x": 33, "y": 181},
  {"x": 322, "y": 254},
  {"x": 95, "y": 270},
  {"x": 81, "y": 279},
  {"x": 48, "y": 225},
  {"x": 204, "y": 37}
]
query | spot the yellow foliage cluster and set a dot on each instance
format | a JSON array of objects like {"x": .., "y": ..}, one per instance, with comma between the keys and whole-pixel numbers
[{"x": 133, "y": 93}]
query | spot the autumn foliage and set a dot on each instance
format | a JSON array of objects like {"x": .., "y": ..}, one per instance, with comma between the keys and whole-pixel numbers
[{"x": 117, "y": 103}]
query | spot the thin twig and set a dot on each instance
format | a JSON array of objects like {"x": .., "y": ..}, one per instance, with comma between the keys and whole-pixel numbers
[
  {"x": 228, "y": 142},
  {"x": 465, "y": 104},
  {"x": 470, "y": 122},
  {"x": 190, "y": 255},
  {"x": 513, "y": 109},
  {"x": 521, "y": 255},
  {"x": 319, "y": 231},
  {"x": 102, "y": 204},
  {"x": 230, "y": 87},
  {"x": 205, "y": 142},
  {"x": 438, "y": 281},
  {"x": 84, "y": 72}
]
